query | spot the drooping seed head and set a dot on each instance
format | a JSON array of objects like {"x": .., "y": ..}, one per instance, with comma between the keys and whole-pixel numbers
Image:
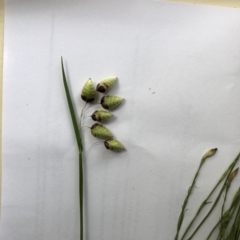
[
  {"x": 88, "y": 91},
  {"x": 209, "y": 153},
  {"x": 110, "y": 102},
  {"x": 101, "y": 115},
  {"x": 100, "y": 131},
  {"x": 106, "y": 84},
  {"x": 113, "y": 145}
]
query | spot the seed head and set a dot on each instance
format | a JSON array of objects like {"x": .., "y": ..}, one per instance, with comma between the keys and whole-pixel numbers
[
  {"x": 88, "y": 91},
  {"x": 110, "y": 102},
  {"x": 101, "y": 115},
  {"x": 106, "y": 84},
  {"x": 232, "y": 176},
  {"x": 100, "y": 131},
  {"x": 114, "y": 145},
  {"x": 209, "y": 153}
]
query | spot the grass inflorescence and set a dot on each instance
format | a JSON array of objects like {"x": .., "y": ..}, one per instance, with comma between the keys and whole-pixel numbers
[{"x": 108, "y": 102}]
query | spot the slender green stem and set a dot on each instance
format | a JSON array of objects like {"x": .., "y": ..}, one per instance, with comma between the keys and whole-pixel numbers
[
  {"x": 237, "y": 235},
  {"x": 77, "y": 130},
  {"x": 200, "y": 209},
  {"x": 181, "y": 217},
  {"x": 81, "y": 179},
  {"x": 235, "y": 226},
  {"x": 227, "y": 172},
  {"x": 204, "y": 219},
  {"x": 223, "y": 225},
  {"x": 217, "y": 199},
  {"x": 225, "y": 218},
  {"x": 81, "y": 193},
  {"x": 208, "y": 237},
  {"x": 224, "y": 201}
]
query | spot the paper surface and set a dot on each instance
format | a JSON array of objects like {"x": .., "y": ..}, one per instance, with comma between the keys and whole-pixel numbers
[
  {"x": 178, "y": 69},
  {"x": 1, "y": 77}
]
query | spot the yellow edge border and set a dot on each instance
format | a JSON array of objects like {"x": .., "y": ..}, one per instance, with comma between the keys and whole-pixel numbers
[
  {"x": 1, "y": 84},
  {"x": 221, "y": 3}
]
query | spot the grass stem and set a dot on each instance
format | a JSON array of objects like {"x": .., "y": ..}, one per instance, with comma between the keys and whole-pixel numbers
[
  {"x": 217, "y": 199},
  {"x": 77, "y": 130},
  {"x": 203, "y": 204},
  {"x": 81, "y": 193},
  {"x": 181, "y": 217}
]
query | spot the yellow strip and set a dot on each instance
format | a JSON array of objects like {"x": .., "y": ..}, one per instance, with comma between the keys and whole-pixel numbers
[
  {"x": 1, "y": 80},
  {"x": 222, "y": 3}
]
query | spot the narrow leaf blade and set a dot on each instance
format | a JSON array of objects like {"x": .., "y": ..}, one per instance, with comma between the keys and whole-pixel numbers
[{"x": 71, "y": 109}]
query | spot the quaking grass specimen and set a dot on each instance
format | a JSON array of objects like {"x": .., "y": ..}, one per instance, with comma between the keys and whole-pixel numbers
[
  {"x": 228, "y": 225},
  {"x": 88, "y": 95}
]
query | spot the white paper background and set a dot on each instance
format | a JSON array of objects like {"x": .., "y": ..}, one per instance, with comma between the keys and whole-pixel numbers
[{"x": 178, "y": 68}]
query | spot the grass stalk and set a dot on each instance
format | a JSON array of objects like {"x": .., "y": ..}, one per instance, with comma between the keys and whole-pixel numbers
[
  {"x": 81, "y": 193},
  {"x": 77, "y": 130},
  {"x": 226, "y": 217},
  {"x": 181, "y": 217},
  {"x": 224, "y": 200},
  {"x": 235, "y": 226},
  {"x": 217, "y": 199},
  {"x": 208, "y": 237},
  {"x": 210, "y": 211},
  {"x": 223, "y": 226},
  {"x": 203, "y": 204}
]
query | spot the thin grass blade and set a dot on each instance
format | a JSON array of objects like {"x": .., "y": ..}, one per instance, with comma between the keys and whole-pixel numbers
[{"x": 71, "y": 109}]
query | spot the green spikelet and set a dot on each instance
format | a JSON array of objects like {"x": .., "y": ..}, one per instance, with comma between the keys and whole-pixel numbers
[
  {"x": 113, "y": 145},
  {"x": 101, "y": 115},
  {"x": 231, "y": 177},
  {"x": 88, "y": 91},
  {"x": 100, "y": 131},
  {"x": 110, "y": 102},
  {"x": 106, "y": 84},
  {"x": 209, "y": 153}
]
